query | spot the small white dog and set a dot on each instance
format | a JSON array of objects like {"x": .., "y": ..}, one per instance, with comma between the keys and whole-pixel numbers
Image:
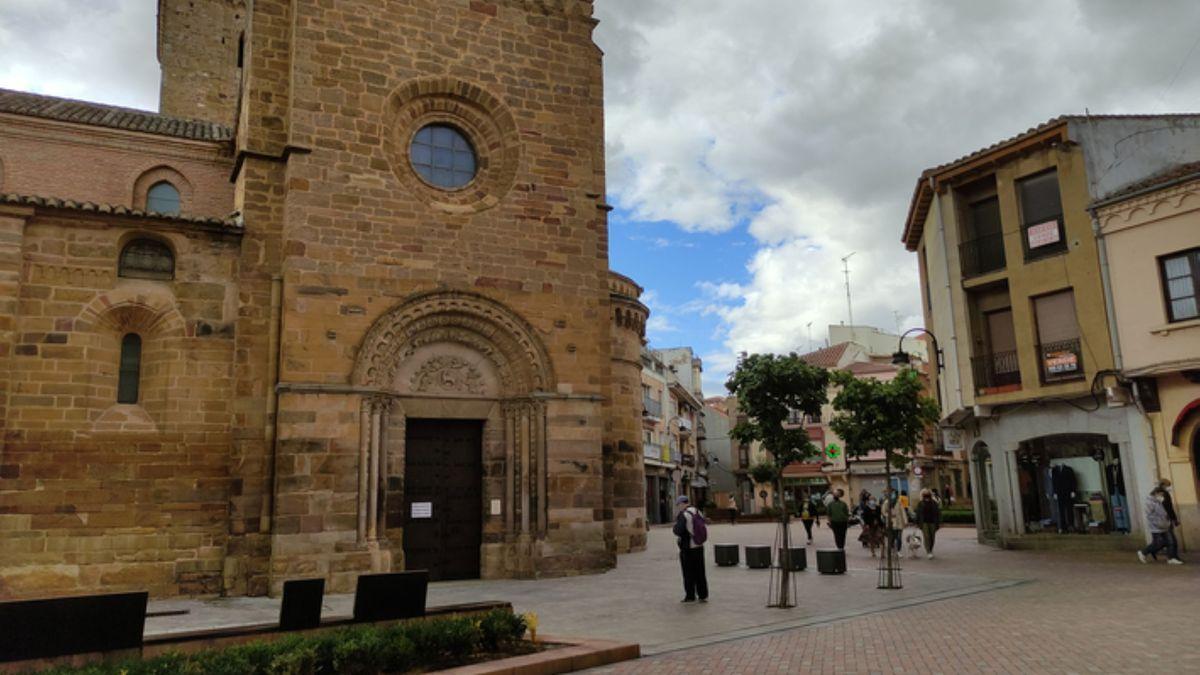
[{"x": 915, "y": 543}]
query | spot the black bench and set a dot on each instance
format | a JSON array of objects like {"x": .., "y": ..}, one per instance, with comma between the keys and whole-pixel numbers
[
  {"x": 37, "y": 629},
  {"x": 758, "y": 557},
  {"x": 831, "y": 561},
  {"x": 394, "y": 595},
  {"x": 301, "y": 607}
]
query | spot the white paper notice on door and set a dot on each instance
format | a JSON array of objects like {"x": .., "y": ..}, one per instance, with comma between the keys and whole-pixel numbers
[
  {"x": 422, "y": 509},
  {"x": 496, "y": 507}
]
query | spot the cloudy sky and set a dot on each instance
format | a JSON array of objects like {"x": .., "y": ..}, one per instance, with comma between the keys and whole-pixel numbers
[{"x": 754, "y": 143}]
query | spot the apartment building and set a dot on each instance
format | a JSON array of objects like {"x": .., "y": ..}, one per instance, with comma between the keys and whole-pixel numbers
[
  {"x": 1013, "y": 290},
  {"x": 1150, "y": 240},
  {"x": 672, "y": 431}
]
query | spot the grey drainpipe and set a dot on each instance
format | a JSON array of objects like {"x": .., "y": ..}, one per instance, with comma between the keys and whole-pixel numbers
[
  {"x": 1106, "y": 281},
  {"x": 949, "y": 289}
]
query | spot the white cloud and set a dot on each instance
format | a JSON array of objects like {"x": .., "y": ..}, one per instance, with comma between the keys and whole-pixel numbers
[{"x": 809, "y": 123}]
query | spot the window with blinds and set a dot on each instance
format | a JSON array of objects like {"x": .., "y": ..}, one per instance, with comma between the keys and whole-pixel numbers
[{"x": 1058, "y": 336}]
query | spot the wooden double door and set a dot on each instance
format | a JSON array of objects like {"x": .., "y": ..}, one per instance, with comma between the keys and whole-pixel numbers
[{"x": 443, "y": 497}]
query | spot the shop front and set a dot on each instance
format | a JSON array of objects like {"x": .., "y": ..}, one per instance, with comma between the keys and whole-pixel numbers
[
  {"x": 1072, "y": 483},
  {"x": 661, "y": 491}
]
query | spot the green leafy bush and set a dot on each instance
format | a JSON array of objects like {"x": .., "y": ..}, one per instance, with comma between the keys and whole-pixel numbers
[
  {"x": 357, "y": 650},
  {"x": 958, "y": 516}
]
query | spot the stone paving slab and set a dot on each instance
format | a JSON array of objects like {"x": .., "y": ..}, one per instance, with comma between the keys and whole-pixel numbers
[{"x": 639, "y": 600}]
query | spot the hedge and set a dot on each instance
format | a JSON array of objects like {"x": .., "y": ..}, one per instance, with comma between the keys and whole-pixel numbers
[
  {"x": 958, "y": 516},
  {"x": 357, "y": 650}
]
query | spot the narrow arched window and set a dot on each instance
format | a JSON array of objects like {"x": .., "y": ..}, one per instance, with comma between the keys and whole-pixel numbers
[
  {"x": 146, "y": 259},
  {"x": 131, "y": 368},
  {"x": 163, "y": 198}
]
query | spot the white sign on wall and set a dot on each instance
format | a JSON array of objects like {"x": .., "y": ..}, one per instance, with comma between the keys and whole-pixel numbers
[
  {"x": 1043, "y": 234},
  {"x": 952, "y": 439},
  {"x": 495, "y": 507},
  {"x": 422, "y": 509}
]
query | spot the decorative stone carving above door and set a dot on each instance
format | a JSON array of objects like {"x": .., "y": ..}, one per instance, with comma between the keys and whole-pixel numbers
[{"x": 447, "y": 374}]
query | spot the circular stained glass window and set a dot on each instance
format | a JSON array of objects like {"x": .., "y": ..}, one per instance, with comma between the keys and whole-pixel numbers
[{"x": 442, "y": 156}]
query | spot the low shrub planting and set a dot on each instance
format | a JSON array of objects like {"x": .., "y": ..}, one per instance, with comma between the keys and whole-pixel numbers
[
  {"x": 418, "y": 646},
  {"x": 958, "y": 516}
]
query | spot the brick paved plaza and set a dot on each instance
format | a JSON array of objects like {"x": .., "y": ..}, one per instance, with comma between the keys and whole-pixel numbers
[{"x": 971, "y": 609}]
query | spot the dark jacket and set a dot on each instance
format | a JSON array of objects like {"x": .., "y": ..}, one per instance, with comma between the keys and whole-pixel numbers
[
  {"x": 1169, "y": 507},
  {"x": 838, "y": 511},
  {"x": 928, "y": 512}
]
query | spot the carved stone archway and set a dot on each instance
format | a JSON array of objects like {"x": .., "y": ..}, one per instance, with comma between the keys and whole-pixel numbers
[{"x": 457, "y": 354}]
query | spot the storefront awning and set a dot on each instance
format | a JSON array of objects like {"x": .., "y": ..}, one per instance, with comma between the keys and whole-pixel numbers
[{"x": 699, "y": 483}]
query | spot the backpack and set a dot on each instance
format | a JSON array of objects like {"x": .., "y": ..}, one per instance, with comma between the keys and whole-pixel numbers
[{"x": 699, "y": 529}]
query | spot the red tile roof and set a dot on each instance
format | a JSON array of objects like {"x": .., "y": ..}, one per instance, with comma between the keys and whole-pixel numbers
[
  {"x": 867, "y": 368},
  {"x": 1176, "y": 173},
  {"x": 97, "y": 114},
  {"x": 233, "y": 221},
  {"x": 827, "y": 357}
]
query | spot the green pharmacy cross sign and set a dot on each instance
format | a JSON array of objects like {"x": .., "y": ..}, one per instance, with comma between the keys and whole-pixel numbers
[{"x": 832, "y": 451}]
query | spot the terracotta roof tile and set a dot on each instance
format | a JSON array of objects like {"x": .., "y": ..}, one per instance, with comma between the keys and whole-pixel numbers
[
  {"x": 231, "y": 221},
  {"x": 827, "y": 357},
  {"x": 866, "y": 368},
  {"x": 97, "y": 114}
]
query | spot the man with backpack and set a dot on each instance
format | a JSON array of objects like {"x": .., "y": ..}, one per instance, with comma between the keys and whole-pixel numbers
[{"x": 691, "y": 531}]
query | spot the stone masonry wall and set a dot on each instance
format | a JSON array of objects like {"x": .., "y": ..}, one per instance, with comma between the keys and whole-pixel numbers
[
  {"x": 198, "y": 49},
  {"x": 99, "y": 495},
  {"x": 360, "y": 235}
]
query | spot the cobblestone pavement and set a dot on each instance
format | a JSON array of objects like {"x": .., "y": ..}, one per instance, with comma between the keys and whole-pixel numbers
[{"x": 1073, "y": 612}]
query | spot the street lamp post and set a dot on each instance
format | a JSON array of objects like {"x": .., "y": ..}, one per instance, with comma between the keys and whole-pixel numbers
[{"x": 889, "y": 566}]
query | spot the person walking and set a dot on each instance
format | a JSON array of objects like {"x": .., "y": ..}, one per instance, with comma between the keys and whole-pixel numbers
[
  {"x": 1169, "y": 506},
  {"x": 872, "y": 525},
  {"x": 733, "y": 510},
  {"x": 808, "y": 513},
  {"x": 895, "y": 519},
  {"x": 838, "y": 513},
  {"x": 929, "y": 517},
  {"x": 1159, "y": 524},
  {"x": 691, "y": 532}
]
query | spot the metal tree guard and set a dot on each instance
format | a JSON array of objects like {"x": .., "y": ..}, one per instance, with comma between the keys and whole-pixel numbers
[
  {"x": 889, "y": 563},
  {"x": 782, "y": 590}
]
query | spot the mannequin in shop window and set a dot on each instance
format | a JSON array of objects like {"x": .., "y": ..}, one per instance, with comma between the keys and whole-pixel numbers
[{"x": 1063, "y": 478}]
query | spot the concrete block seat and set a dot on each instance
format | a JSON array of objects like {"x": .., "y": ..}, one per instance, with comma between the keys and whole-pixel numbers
[
  {"x": 726, "y": 555},
  {"x": 758, "y": 557},
  {"x": 795, "y": 558},
  {"x": 831, "y": 561}
]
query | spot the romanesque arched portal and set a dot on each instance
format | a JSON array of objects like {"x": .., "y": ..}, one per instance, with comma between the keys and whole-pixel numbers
[{"x": 469, "y": 362}]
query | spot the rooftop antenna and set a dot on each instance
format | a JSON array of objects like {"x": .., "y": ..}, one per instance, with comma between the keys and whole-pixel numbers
[
  {"x": 849, "y": 306},
  {"x": 896, "y": 316},
  {"x": 809, "y": 327}
]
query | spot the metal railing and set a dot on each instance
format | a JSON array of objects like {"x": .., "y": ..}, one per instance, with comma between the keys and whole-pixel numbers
[
  {"x": 1061, "y": 360},
  {"x": 999, "y": 369},
  {"x": 651, "y": 407},
  {"x": 982, "y": 254}
]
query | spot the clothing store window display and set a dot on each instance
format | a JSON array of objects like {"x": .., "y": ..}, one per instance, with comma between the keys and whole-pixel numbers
[{"x": 1072, "y": 483}]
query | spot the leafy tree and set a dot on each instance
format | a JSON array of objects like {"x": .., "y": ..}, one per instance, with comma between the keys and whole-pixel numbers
[
  {"x": 768, "y": 387},
  {"x": 764, "y": 472},
  {"x": 882, "y": 415}
]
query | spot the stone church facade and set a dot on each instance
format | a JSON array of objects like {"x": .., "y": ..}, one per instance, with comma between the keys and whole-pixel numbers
[{"x": 343, "y": 306}]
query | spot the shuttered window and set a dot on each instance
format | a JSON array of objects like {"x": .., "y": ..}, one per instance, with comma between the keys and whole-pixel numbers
[
  {"x": 1056, "y": 317},
  {"x": 1041, "y": 215}
]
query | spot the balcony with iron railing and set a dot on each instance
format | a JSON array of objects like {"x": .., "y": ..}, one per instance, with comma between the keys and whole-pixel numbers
[
  {"x": 651, "y": 407},
  {"x": 982, "y": 255},
  {"x": 996, "y": 371},
  {"x": 1061, "y": 361}
]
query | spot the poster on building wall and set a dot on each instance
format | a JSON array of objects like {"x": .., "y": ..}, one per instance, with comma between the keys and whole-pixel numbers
[
  {"x": 1043, "y": 234},
  {"x": 952, "y": 439},
  {"x": 1059, "y": 362}
]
